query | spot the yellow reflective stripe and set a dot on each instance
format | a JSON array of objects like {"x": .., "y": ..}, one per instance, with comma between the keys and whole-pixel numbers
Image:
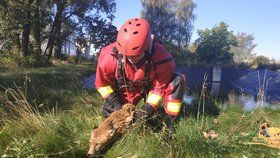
[
  {"x": 153, "y": 99},
  {"x": 105, "y": 91},
  {"x": 173, "y": 107}
]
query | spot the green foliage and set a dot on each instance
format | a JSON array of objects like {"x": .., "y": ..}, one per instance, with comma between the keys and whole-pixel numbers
[
  {"x": 102, "y": 34},
  {"x": 31, "y": 129},
  {"x": 43, "y": 129},
  {"x": 61, "y": 56},
  {"x": 243, "y": 51},
  {"x": 65, "y": 133},
  {"x": 235, "y": 128},
  {"x": 54, "y": 23},
  {"x": 20, "y": 148},
  {"x": 171, "y": 22},
  {"x": 8, "y": 61},
  {"x": 82, "y": 60},
  {"x": 7, "y": 64},
  {"x": 34, "y": 61},
  {"x": 49, "y": 86},
  {"x": 261, "y": 60},
  {"x": 213, "y": 45},
  {"x": 80, "y": 18}
]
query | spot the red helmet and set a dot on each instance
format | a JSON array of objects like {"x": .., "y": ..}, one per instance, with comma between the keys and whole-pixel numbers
[{"x": 134, "y": 37}]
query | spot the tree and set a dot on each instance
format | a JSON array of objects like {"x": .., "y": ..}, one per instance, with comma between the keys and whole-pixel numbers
[
  {"x": 20, "y": 21},
  {"x": 213, "y": 45},
  {"x": 261, "y": 60},
  {"x": 11, "y": 22},
  {"x": 243, "y": 51},
  {"x": 26, "y": 25},
  {"x": 37, "y": 26},
  {"x": 101, "y": 36},
  {"x": 26, "y": 29},
  {"x": 171, "y": 21},
  {"x": 80, "y": 14},
  {"x": 55, "y": 33}
]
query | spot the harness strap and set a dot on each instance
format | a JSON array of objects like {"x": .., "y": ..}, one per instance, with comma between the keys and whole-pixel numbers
[
  {"x": 123, "y": 82},
  {"x": 144, "y": 89},
  {"x": 119, "y": 68}
]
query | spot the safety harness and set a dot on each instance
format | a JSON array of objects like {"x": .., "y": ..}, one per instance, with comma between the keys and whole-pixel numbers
[{"x": 123, "y": 82}]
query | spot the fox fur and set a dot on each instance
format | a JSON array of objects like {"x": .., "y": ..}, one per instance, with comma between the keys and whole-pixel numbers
[{"x": 112, "y": 127}]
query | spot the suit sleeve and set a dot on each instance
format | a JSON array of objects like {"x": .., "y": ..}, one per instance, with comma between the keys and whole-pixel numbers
[
  {"x": 164, "y": 70},
  {"x": 105, "y": 73}
]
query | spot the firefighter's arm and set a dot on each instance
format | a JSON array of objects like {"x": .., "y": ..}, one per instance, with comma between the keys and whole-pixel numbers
[
  {"x": 105, "y": 80},
  {"x": 164, "y": 71}
]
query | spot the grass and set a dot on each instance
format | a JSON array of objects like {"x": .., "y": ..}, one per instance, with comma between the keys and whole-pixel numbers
[
  {"x": 56, "y": 121},
  {"x": 58, "y": 85},
  {"x": 235, "y": 129}
]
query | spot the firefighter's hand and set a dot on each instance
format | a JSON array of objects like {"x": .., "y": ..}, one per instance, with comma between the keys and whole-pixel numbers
[
  {"x": 144, "y": 112},
  {"x": 117, "y": 107},
  {"x": 112, "y": 103}
]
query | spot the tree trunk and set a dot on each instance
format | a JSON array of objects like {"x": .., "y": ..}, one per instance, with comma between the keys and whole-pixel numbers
[
  {"x": 37, "y": 28},
  {"x": 26, "y": 31},
  {"x": 58, "y": 41},
  {"x": 18, "y": 44},
  {"x": 55, "y": 28}
]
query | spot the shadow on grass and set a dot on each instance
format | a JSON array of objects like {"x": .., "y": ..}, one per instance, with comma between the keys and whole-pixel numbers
[
  {"x": 52, "y": 86},
  {"x": 208, "y": 108}
]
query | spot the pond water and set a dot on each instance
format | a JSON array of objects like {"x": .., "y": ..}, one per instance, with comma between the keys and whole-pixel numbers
[
  {"x": 88, "y": 82},
  {"x": 248, "y": 101}
]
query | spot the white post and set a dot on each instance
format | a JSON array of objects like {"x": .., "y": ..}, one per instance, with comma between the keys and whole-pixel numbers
[{"x": 216, "y": 81}]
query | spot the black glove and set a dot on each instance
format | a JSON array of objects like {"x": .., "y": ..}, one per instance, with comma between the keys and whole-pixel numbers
[
  {"x": 144, "y": 112},
  {"x": 170, "y": 121},
  {"x": 112, "y": 103}
]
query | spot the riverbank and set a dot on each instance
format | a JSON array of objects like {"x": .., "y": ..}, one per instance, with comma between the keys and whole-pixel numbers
[{"x": 47, "y": 113}]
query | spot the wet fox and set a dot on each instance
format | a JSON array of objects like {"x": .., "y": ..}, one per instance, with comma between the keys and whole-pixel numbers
[{"x": 112, "y": 127}]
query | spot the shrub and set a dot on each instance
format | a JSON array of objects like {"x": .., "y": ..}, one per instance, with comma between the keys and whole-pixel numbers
[
  {"x": 8, "y": 60},
  {"x": 81, "y": 60},
  {"x": 34, "y": 61}
]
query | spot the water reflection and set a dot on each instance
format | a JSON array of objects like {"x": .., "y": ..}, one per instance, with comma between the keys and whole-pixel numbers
[
  {"x": 249, "y": 102},
  {"x": 88, "y": 82}
]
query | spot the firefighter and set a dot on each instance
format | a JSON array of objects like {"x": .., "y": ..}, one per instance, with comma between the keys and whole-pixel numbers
[{"x": 137, "y": 66}]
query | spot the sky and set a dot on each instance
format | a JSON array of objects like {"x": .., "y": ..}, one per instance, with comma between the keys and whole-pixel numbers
[{"x": 258, "y": 17}]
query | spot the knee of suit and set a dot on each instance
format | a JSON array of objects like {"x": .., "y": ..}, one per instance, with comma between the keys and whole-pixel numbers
[
  {"x": 180, "y": 79},
  {"x": 179, "y": 85}
]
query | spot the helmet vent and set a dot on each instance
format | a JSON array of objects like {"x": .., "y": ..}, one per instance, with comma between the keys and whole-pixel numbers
[
  {"x": 135, "y": 48},
  {"x": 136, "y": 19},
  {"x": 125, "y": 30},
  {"x": 129, "y": 23},
  {"x": 138, "y": 24},
  {"x": 119, "y": 44},
  {"x": 135, "y": 33}
]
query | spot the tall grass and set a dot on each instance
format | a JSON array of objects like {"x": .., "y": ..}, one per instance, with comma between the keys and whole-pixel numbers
[
  {"x": 32, "y": 129},
  {"x": 235, "y": 129},
  {"x": 54, "y": 132}
]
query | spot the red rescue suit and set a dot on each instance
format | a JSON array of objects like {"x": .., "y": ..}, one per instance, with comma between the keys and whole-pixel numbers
[{"x": 165, "y": 84}]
